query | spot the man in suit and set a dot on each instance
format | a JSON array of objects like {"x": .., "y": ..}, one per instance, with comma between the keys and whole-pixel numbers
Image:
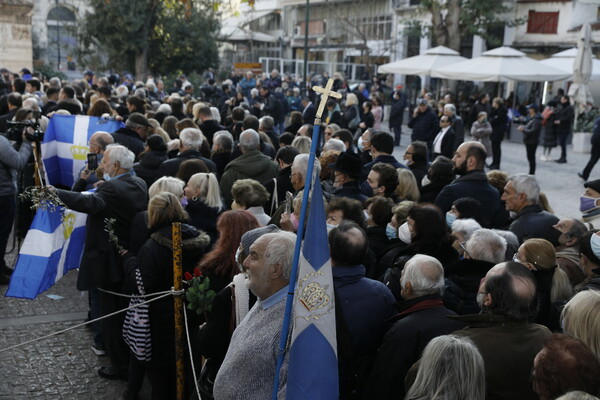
[
  {"x": 308, "y": 111},
  {"x": 121, "y": 197},
  {"x": 443, "y": 144}
]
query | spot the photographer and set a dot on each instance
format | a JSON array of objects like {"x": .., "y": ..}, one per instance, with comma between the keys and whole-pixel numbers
[{"x": 12, "y": 158}]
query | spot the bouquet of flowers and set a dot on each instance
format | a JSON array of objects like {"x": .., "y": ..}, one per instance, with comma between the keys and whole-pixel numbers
[{"x": 198, "y": 295}]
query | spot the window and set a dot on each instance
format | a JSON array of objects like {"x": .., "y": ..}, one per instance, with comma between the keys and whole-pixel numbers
[
  {"x": 374, "y": 28},
  {"x": 542, "y": 22}
]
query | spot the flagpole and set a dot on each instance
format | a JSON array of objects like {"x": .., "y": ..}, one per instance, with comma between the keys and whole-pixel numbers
[{"x": 293, "y": 276}]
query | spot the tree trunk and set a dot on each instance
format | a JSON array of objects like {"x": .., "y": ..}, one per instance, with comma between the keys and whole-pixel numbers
[
  {"x": 440, "y": 32},
  {"x": 141, "y": 64},
  {"x": 453, "y": 24}
]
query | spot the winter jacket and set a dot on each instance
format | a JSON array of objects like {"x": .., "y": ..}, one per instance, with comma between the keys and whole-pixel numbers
[
  {"x": 533, "y": 222},
  {"x": 250, "y": 165},
  {"x": 418, "y": 321},
  {"x": 171, "y": 167},
  {"x": 148, "y": 166},
  {"x": 424, "y": 126},
  {"x": 481, "y": 132},
  {"x": 203, "y": 217},
  {"x": 130, "y": 139},
  {"x": 473, "y": 184},
  {"x": 498, "y": 120},
  {"x": 462, "y": 285},
  {"x": 11, "y": 160},
  {"x": 533, "y": 128}
]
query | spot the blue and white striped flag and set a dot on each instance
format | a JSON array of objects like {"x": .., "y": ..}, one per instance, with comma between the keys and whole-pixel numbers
[
  {"x": 65, "y": 145},
  {"x": 53, "y": 245},
  {"x": 313, "y": 365}
]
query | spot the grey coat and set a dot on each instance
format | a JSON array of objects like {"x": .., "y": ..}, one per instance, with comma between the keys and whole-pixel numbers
[{"x": 11, "y": 160}]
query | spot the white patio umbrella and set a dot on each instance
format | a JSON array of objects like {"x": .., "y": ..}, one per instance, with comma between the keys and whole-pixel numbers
[
  {"x": 423, "y": 64},
  {"x": 564, "y": 60},
  {"x": 582, "y": 70},
  {"x": 500, "y": 64}
]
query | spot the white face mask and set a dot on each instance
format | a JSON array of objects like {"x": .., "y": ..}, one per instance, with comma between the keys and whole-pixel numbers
[
  {"x": 404, "y": 233},
  {"x": 425, "y": 181}
]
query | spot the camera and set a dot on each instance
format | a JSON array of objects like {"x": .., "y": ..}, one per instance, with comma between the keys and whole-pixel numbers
[{"x": 15, "y": 131}]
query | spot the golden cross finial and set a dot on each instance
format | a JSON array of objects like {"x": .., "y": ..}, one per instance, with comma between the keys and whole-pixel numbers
[{"x": 325, "y": 93}]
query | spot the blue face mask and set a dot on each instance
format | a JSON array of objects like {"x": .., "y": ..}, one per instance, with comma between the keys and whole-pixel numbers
[
  {"x": 450, "y": 218},
  {"x": 361, "y": 144},
  {"x": 586, "y": 203},
  {"x": 106, "y": 177},
  {"x": 390, "y": 231},
  {"x": 595, "y": 245},
  {"x": 183, "y": 201}
]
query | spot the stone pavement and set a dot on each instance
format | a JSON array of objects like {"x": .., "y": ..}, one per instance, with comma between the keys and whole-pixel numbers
[{"x": 60, "y": 367}]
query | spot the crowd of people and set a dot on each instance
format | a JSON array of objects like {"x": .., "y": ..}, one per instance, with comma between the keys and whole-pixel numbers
[{"x": 450, "y": 282}]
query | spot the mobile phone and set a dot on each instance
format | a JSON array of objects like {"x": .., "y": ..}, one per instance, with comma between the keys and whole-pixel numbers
[
  {"x": 288, "y": 202},
  {"x": 92, "y": 161}
]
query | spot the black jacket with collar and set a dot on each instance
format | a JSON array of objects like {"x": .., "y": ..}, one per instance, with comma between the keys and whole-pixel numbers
[
  {"x": 170, "y": 167},
  {"x": 533, "y": 222}
]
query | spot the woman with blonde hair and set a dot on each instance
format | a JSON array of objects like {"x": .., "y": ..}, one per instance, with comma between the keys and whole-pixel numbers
[
  {"x": 302, "y": 144},
  {"x": 204, "y": 202},
  {"x": 407, "y": 186},
  {"x": 152, "y": 269},
  {"x": 581, "y": 319},
  {"x": 351, "y": 117},
  {"x": 539, "y": 256}
]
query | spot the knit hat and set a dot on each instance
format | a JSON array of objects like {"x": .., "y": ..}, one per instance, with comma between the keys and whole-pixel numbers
[
  {"x": 252, "y": 236},
  {"x": 593, "y": 184},
  {"x": 156, "y": 143}
]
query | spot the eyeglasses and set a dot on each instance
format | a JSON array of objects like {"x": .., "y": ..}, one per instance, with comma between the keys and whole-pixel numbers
[
  {"x": 516, "y": 258},
  {"x": 463, "y": 245}
]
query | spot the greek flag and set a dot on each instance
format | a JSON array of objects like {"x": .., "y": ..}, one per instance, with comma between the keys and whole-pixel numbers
[
  {"x": 53, "y": 245},
  {"x": 313, "y": 366},
  {"x": 65, "y": 145}
]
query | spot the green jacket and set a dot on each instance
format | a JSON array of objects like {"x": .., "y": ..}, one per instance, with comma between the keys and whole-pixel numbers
[
  {"x": 251, "y": 165},
  {"x": 508, "y": 348}
]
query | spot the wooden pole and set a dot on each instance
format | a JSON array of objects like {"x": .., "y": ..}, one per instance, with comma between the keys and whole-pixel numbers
[{"x": 178, "y": 304}]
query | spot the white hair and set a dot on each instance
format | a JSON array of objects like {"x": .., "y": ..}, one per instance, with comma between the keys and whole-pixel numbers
[
  {"x": 140, "y": 92},
  {"x": 425, "y": 274},
  {"x": 512, "y": 243},
  {"x": 451, "y": 108},
  {"x": 31, "y": 103},
  {"x": 55, "y": 82},
  {"x": 280, "y": 250},
  {"x": 451, "y": 368},
  {"x": 249, "y": 140},
  {"x": 300, "y": 166},
  {"x": 164, "y": 108},
  {"x": 216, "y": 115},
  {"x": 254, "y": 92},
  {"x": 191, "y": 138},
  {"x": 122, "y": 155},
  {"x": 527, "y": 184},
  {"x": 224, "y": 139},
  {"x": 167, "y": 184},
  {"x": 466, "y": 227},
  {"x": 122, "y": 91},
  {"x": 335, "y": 145},
  {"x": 302, "y": 144},
  {"x": 486, "y": 245}
]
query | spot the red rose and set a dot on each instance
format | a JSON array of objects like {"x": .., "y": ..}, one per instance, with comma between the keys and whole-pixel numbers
[
  {"x": 197, "y": 272},
  {"x": 188, "y": 276}
]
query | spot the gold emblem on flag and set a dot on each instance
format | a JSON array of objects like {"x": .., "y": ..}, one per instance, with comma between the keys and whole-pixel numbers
[
  {"x": 69, "y": 225},
  {"x": 79, "y": 152},
  {"x": 314, "y": 296}
]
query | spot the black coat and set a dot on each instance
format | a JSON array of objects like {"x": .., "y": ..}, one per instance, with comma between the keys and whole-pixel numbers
[
  {"x": 397, "y": 111},
  {"x": 531, "y": 134},
  {"x": 221, "y": 160},
  {"x": 121, "y": 199},
  {"x": 419, "y": 170},
  {"x": 419, "y": 320},
  {"x": 148, "y": 166},
  {"x": 378, "y": 240},
  {"x": 474, "y": 184},
  {"x": 498, "y": 120},
  {"x": 565, "y": 115},
  {"x": 447, "y": 146},
  {"x": 155, "y": 262},
  {"x": 171, "y": 167},
  {"x": 284, "y": 184},
  {"x": 424, "y": 126},
  {"x": 430, "y": 191},
  {"x": 351, "y": 190},
  {"x": 462, "y": 284},
  {"x": 203, "y": 217},
  {"x": 130, "y": 139},
  {"x": 533, "y": 222},
  {"x": 209, "y": 128}
]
